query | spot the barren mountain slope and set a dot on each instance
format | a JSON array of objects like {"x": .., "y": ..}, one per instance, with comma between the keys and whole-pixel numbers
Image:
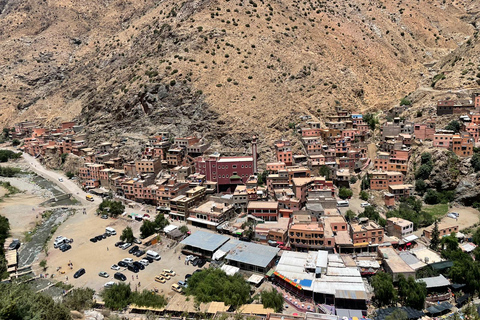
[{"x": 226, "y": 69}]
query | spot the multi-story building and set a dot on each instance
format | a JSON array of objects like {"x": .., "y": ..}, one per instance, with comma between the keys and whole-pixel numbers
[
  {"x": 169, "y": 190},
  {"x": 381, "y": 180},
  {"x": 210, "y": 214},
  {"x": 444, "y": 229},
  {"x": 462, "y": 144},
  {"x": 283, "y": 152},
  {"x": 400, "y": 190},
  {"x": 445, "y": 107},
  {"x": 265, "y": 210},
  {"x": 399, "y": 227},
  {"x": 424, "y": 131},
  {"x": 366, "y": 234},
  {"x": 152, "y": 165}
]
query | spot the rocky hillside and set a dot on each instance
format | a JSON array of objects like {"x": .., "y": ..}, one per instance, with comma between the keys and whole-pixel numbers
[{"x": 227, "y": 69}]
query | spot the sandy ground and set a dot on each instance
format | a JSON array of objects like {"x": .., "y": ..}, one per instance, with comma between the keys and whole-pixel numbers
[
  {"x": 22, "y": 209},
  {"x": 468, "y": 217},
  {"x": 95, "y": 257}
]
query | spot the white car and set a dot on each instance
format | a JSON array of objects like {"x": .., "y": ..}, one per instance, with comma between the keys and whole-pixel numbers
[
  {"x": 126, "y": 245},
  {"x": 60, "y": 179},
  {"x": 109, "y": 284},
  {"x": 115, "y": 267},
  {"x": 144, "y": 262},
  {"x": 128, "y": 260},
  {"x": 189, "y": 258},
  {"x": 364, "y": 204}
]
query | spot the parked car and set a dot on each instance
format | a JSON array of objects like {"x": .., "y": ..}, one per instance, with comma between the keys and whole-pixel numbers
[
  {"x": 452, "y": 215},
  {"x": 127, "y": 260},
  {"x": 79, "y": 273},
  {"x": 139, "y": 253},
  {"x": 14, "y": 245},
  {"x": 160, "y": 279},
  {"x": 126, "y": 245},
  {"x": 170, "y": 272},
  {"x": 104, "y": 216},
  {"x": 364, "y": 204},
  {"x": 176, "y": 288},
  {"x": 115, "y": 267},
  {"x": 109, "y": 284},
  {"x": 133, "y": 249},
  {"x": 201, "y": 263},
  {"x": 104, "y": 236},
  {"x": 119, "y": 243},
  {"x": 99, "y": 238},
  {"x": 94, "y": 239},
  {"x": 137, "y": 241},
  {"x": 120, "y": 276},
  {"x": 144, "y": 262},
  {"x": 133, "y": 268},
  {"x": 182, "y": 284},
  {"x": 189, "y": 258},
  {"x": 187, "y": 276},
  {"x": 103, "y": 274},
  {"x": 150, "y": 260},
  {"x": 65, "y": 247},
  {"x": 195, "y": 261},
  {"x": 139, "y": 265},
  {"x": 122, "y": 264},
  {"x": 165, "y": 275},
  {"x": 196, "y": 271},
  {"x": 60, "y": 179}
]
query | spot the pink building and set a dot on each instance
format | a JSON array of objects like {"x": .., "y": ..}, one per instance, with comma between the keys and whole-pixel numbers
[
  {"x": 424, "y": 131},
  {"x": 442, "y": 140}
]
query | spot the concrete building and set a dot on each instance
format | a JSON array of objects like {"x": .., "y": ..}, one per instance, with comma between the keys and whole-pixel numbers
[
  {"x": 444, "y": 229},
  {"x": 265, "y": 210},
  {"x": 399, "y": 227},
  {"x": 393, "y": 264},
  {"x": 210, "y": 214}
]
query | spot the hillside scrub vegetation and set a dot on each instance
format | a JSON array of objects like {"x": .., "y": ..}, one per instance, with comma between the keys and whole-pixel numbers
[{"x": 120, "y": 295}]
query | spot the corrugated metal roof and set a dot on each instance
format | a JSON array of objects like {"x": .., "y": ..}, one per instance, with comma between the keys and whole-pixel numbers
[
  {"x": 248, "y": 253},
  {"x": 435, "y": 282},
  {"x": 205, "y": 240}
]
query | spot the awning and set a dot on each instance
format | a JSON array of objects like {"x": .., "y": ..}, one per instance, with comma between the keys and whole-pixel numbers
[
  {"x": 361, "y": 244},
  {"x": 235, "y": 177},
  {"x": 293, "y": 283}
]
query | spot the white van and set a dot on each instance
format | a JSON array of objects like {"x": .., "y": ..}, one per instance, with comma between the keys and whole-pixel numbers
[
  {"x": 343, "y": 203},
  {"x": 110, "y": 231},
  {"x": 154, "y": 255},
  {"x": 59, "y": 241}
]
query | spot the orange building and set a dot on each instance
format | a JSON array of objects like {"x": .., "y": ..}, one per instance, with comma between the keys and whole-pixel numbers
[{"x": 283, "y": 152}]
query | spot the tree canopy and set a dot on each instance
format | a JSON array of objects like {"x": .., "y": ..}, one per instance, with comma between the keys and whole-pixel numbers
[
  {"x": 385, "y": 293},
  {"x": 412, "y": 293},
  {"x": 120, "y": 295},
  {"x": 148, "y": 227},
  {"x": 6, "y": 155},
  {"x": 112, "y": 208},
  {"x": 127, "y": 235},
  {"x": 272, "y": 299},
  {"x": 345, "y": 193},
  {"x": 215, "y": 285},
  {"x": 19, "y": 301}
]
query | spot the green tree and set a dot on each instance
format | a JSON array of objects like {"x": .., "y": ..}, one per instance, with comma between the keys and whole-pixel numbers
[
  {"x": 365, "y": 182},
  {"x": 324, "y": 171},
  {"x": 435, "y": 241},
  {"x": 364, "y": 195},
  {"x": 215, "y": 285},
  {"x": 450, "y": 242},
  {"x": 183, "y": 229},
  {"x": 70, "y": 174},
  {"x": 426, "y": 158},
  {"x": 353, "y": 179},
  {"x": 272, "y": 299},
  {"x": 79, "y": 299},
  {"x": 405, "y": 102},
  {"x": 423, "y": 172},
  {"x": 412, "y": 293},
  {"x": 431, "y": 197},
  {"x": 345, "y": 193},
  {"x": 385, "y": 293},
  {"x": 161, "y": 222},
  {"x": 127, "y": 235},
  {"x": 117, "y": 297},
  {"x": 262, "y": 177},
  {"x": 476, "y": 236},
  {"x": 371, "y": 120},
  {"x": 349, "y": 215},
  {"x": 397, "y": 314},
  {"x": 147, "y": 229},
  {"x": 475, "y": 161},
  {"x": 15, "y": 142},
  {"x": 420, "y": 186},
  {"x": 453, "y": 125},
  {"x": 113, "y": 208}
]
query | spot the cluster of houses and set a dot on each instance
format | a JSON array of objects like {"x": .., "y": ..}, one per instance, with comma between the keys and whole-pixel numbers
[{"x": 292, "y": 206}]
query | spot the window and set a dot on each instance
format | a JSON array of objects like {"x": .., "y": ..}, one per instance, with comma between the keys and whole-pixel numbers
[{"x": 234, "y": 166}]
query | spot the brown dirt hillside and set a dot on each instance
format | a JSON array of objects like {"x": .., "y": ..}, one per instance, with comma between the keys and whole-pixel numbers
[{"x": 225, "y": 69}]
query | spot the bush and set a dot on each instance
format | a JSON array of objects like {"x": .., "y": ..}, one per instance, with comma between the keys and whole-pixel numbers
[
  {"x": 424, "y": 172},
  {"x": 79, "y": 299},
  {"x": 454, "y": 126},
  {"x": 345, "y": 193},
  {"x": 113, "y": 208},
  {"x": 431, "y": 197},
  {"x": 353, "y": 180},
  {"x": 475, "y": 162},
  {"x": 6, "y": 155},
  {"x": 420, "y": 186},
  {"x": 215, "y": 285},
  {"x": 405, "y": 102},
  {"x": 364, "y": 195}
]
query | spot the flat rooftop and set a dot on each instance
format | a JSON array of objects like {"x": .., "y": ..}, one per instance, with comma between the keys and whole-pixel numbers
[
  {"x": 248, "y": 253},
  {"x": 205, "y": 240},
  {"x": 262, "y": 205},
  {"x": 393, "y": 260}
]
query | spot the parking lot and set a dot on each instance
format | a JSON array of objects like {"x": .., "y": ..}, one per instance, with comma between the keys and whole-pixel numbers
[{"x": 100, "y": 256}]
